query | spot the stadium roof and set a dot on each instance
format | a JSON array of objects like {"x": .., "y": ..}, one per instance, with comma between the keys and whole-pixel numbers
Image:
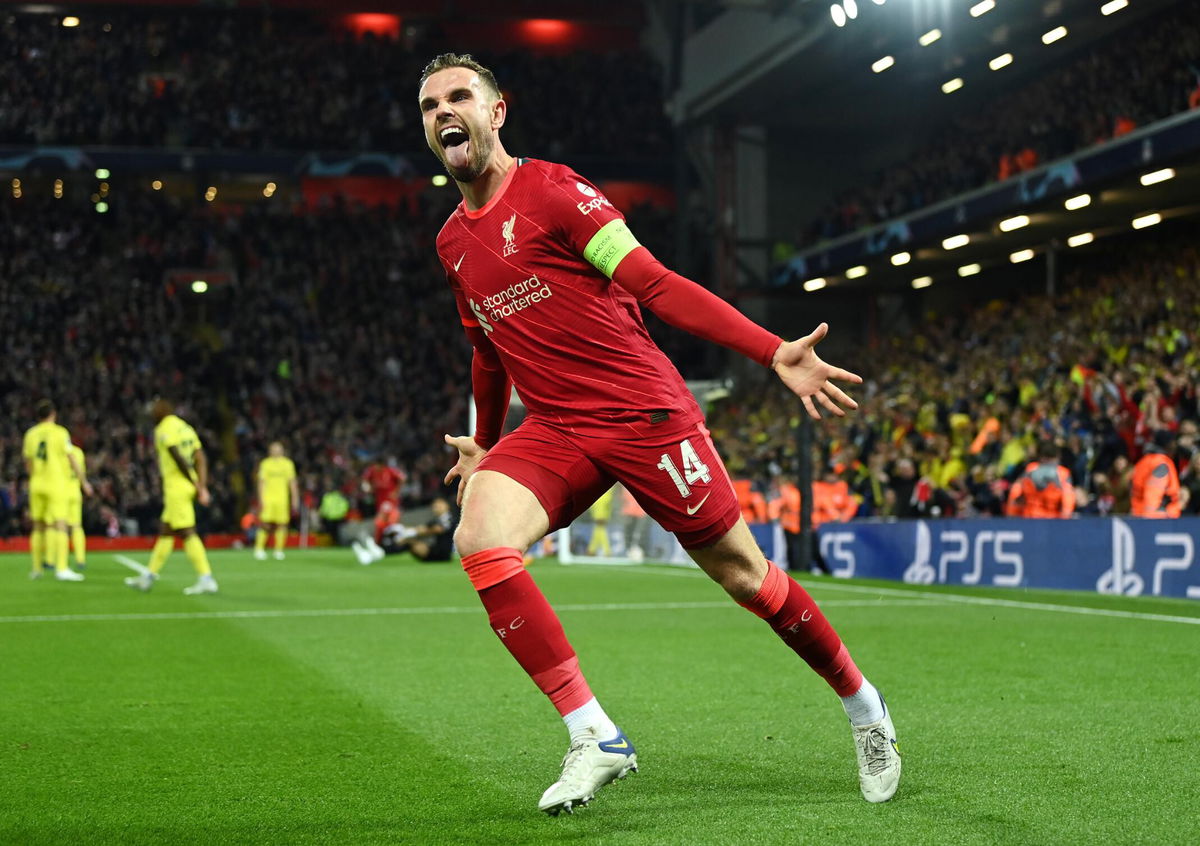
[{"x": 814, "y": 75}]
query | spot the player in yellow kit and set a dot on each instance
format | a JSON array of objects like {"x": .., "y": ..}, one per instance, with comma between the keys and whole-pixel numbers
[
  {"x": 276, "y": 481},
  {"x": 48, "y": 461},
  {"x": 184, "y": 470},
  {"x": 601, "y": 512},
  {"x": 74, "y": 490}
]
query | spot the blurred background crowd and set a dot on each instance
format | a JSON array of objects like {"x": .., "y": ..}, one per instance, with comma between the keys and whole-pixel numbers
[
  {"x": 288, "y": 82},
  {"x": 950, "y": 416}
]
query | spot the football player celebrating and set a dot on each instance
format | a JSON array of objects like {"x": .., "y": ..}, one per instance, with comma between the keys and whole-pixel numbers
[{"x": 548, "y": 281}]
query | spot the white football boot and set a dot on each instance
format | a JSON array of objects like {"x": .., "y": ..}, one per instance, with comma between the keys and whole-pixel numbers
[
  {"x": 878, "y": 758},
  {"x": 205, "y": 584},
  {"x": 68, "y": 576},
  {"x": 361, "y": 552},
  {"x": 279, "y": 556},
  {"x": 142, "y": 581},
  {"x": 260, "y": 555},
  {"x": 588, "y": 766}
]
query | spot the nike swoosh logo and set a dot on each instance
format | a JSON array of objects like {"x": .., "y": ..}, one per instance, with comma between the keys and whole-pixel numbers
[
  {"x": 624, "y": 744},
  {"x": 692, "y": 509},
  {"x": 459, "y": 262}
]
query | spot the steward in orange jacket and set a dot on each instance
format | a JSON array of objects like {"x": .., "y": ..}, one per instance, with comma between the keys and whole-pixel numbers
[
  {"x": 1155, "y": 488},
  {"x": 1045, "y": 489}
]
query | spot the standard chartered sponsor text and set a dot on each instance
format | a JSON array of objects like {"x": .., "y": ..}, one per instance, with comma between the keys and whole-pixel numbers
[{"x": 516, "y": 297}]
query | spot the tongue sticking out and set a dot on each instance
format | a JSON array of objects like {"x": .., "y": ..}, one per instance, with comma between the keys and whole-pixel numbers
[{"x": 458, "y": 155}]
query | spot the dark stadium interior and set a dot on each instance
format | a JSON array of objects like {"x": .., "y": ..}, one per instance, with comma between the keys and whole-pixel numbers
[{"x": 325, "y": 319}]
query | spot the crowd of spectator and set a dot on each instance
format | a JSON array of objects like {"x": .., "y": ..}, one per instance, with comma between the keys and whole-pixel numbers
[
  {"x": 332, "y": 330},
  {"x": 1144, "y": 73},
  {"x": 288, "y": 81},
  {"x": 951, "y": 415}
]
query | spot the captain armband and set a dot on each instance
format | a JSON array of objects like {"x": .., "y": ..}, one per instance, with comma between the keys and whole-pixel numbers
[{"x": 609, "y": 246}]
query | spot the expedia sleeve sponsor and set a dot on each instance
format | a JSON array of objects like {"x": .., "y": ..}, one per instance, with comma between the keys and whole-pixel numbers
[{"x": 609, "y": 246}]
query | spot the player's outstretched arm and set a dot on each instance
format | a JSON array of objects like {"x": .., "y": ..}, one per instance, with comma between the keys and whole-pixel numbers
[
  {"x": 470, "y": 453},
  {"x": 799, "y": 367}
]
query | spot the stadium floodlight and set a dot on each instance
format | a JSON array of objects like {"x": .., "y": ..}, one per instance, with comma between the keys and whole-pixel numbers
[
  {"x": 851, "y": 7},
  {"x": 199, "y": 286},
  {"x": 814, "y": 284},
  {"x": 1080, "y": 239},
  {"x": 103, "y": 173},
  {"x": 901, "y": 258},
  {"x": 156, "y": 185},
  {"x": 1079, "y": 202},
  {"x": 1113, "y": 6},
  {"x": 1147, "y": 220},
  {"x": 956, "y": 241},
  {"x": 1054, "y": 34},
  {"x": 969, "y": 269},
  {"x": 211, "y": 193},
  {"x": 883, "y": 64},
  {"x": 929, "y": 37},
  {"x": 838, "y": 14},
  {"x": 982, "y": 8},
  {"x": 269, "y": 190},
  {"x": 1001, "y": 61},
  {"x": 952, "y": 86},
  {"x": 101, "y": 207},
  {"x": 1020, "y": 256},
  {"x": 922, "y": 282},
  {"x": 439, "y": 180},
  {"x": 857, "y": 272},
  {"x": 1157, "y": 176},
  {"x": 1018, "y": 222},
  {"x": 70, "y": 21}
]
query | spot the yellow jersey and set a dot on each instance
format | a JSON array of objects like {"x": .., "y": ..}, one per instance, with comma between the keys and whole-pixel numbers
[
  {"x": 173, "y": 431},
  {"x": 46, "y": 447},
  {"x": 74, "y": 481},
  {"x": 275, "y": 475}
]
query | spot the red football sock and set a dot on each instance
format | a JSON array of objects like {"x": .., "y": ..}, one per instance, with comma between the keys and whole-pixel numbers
[
  {"x": 795, "y": 617},
  {"x": 529, "y": 628}
]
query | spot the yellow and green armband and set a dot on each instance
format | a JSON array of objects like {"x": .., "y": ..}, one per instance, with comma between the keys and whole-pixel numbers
[{"x": 609, "y": 246}]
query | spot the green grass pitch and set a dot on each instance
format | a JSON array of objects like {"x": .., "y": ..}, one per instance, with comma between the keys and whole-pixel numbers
[{"x": 317, "y": 701}]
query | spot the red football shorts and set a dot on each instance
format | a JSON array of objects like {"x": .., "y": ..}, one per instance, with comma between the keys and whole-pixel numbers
[{"x": 674, "y": 473}]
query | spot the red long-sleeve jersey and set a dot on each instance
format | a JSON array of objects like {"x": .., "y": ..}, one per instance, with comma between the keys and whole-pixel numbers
[{"x": 548, "y": 280}]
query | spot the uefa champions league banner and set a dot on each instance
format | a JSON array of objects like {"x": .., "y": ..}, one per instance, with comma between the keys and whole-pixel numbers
[{"x": 1116, "y": 555}]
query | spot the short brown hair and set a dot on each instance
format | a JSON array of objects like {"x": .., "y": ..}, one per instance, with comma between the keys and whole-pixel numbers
[
  {"x": 460, "y": 60},
  {"x": 43, "y": 409}
]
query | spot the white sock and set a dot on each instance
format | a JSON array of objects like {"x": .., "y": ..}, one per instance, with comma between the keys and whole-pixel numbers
[
  {"x": 865, "y": 706},
  {"x": 589, "y": 722}
]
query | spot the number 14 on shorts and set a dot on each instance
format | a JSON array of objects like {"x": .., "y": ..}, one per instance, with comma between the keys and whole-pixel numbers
[{"x": 694, "y": 470}]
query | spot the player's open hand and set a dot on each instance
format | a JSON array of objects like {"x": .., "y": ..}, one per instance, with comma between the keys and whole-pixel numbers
[
  {"x": 469, "y": 456},
  {"x": 807, "y": 376},
  {"x": 203, "y": 496}
]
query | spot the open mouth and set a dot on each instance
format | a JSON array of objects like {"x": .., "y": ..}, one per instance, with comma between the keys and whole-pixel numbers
[
  {"x": 457, "y": 144},
  {"x": 452, "y": 136}
]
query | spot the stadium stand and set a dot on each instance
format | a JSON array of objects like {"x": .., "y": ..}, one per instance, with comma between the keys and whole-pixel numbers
[
  {"x": 336, "y": 333},
  {"x": 1137, "y": 77},
  {"x": 250, "y": 81},
  {"x": 950, "y": 416}
]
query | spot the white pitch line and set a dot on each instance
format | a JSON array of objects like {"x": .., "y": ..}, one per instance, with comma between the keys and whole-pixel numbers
[
  {"x": 1014, "y": 603},
  {"x": 131, "y": 564},
  {"x": 265, "y": 614},
  {"x": 969, "y": 600}
]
